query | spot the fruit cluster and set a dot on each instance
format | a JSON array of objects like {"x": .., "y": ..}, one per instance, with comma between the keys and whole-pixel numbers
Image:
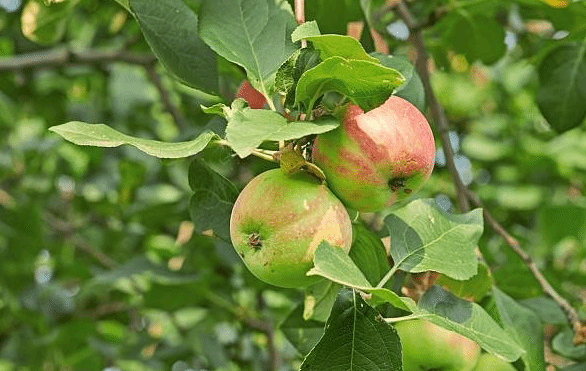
[{"x": 372, "y": 160}]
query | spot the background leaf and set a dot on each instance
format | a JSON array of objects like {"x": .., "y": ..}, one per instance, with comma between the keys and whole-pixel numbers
[
  {"x": 302, "y": 333},
  {"x": 101, "y": 135},
  {"x": 255, "y": 34},
  {"x": 524, "y": 326},
  {"x": 46, "y": 23},
  {"x": 562, "y": 89},
  {"x": 355, "y": 338},
  {"x": 412, "y": 89},
  {"x": 369, "y": 254},
  {"x": 477, "y": 36},
  {"x": 170, "y": 28},
  {"x": 211, "y": 204},
  {"x": 423, "y": 237}
]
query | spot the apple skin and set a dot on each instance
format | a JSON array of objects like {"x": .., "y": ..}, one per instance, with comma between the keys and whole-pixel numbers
[
  {"x": 253, "y": 97},
  {"x": 279, "y": 220},
  {"x": 376, "y": 158},
  {"x": 490, "y": 362},
  {"x": 430, "y": 347}
]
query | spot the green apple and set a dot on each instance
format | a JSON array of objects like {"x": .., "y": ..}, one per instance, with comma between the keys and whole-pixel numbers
[
  {"x": 376, "y": 158},
  {"x": 279, "y": 220},
  {"x": 426, "y": 346},
  {"x": 490, "y": 362}
]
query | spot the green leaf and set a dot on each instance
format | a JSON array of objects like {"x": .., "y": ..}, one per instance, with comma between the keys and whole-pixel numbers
[
  {"x": 247, "y": 128},
  {"x": 305, "y": 30},
  {"x": 369, "y": 254},
  {"x": 170, "y": 28},
  {"x": 333, "y": 15},
  {"x": 475, "y": 288},
  {"x": 255, "y": 34},
  {"x": 562, "y": 90},
  {"x": 412, "y": 90},
  {"x": 211, "y": 204},
  {"x": 466, "y": 318},
  {"x": 558, "y": 222},
  {"x": 335, "y": 265},
  {"x": 302, "y": 333},
  {"x": 319, "y": 299},
  {"x": 201, "y": 176},
  {"x": 100, "y": 135},
  {"x": 477, "y": 36},
  {"x": 423, "y": 238},
  {"x": 355, "y": 339},
  {"x": 124, "y": 3},
  {"x": 291, "y": 71},
  {"x": 45, "y": 23},
  {"x": 563, "y": 344},
  {"x": 340, "y": 46},
  {"x": 368, "y": 84},
  {"x": 524, "y": 326},
  {"x": 546, "y": 309}
]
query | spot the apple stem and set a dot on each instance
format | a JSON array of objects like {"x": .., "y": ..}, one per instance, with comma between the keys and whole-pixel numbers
[
  {"x": 265, "y": 154},
  {"x": 403, "y": 318}
]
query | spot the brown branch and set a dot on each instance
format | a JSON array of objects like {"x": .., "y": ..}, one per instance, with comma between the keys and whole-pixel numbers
[
  {"x": 300, "y": 11},
  {"x": 437, "y": 113},
  {"x": 64, "y": 56},
  {"x": 571, "y": 313},
  {"x": 165, "y": 99},
  {"x": 267, "y": 328}
]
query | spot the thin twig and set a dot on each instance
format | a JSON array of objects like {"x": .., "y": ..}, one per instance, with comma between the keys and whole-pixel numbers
[
  {"x": 300, "y": 16},
  {"x": 165, "y": 99},
  {"x": 437, "y": 113},
  {"x": 260, "y": 153},
  {"x": 69, "y": 233},
  {"x": 571, "y": 313},
  {"x": 60, "y": 56}
]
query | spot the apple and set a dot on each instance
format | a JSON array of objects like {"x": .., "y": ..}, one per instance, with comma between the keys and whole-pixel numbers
[
  {"x": 253, "y": 97},
  {"x": 490, "y": 362},
  {"x": 376, "y": 158},
  {"x": 279, "y": 220},
  {"x": 430, "y": 347}
]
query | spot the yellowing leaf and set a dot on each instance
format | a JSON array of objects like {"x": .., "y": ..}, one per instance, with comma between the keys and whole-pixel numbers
[{"x": 557, "y": 3}]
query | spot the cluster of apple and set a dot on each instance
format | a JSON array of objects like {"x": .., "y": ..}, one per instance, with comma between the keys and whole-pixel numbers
[{"x": 372, "y": 160}]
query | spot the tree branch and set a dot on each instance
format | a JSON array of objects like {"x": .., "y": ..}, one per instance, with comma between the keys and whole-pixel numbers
[
  {"x": 437, "y": 113},
  {"x": 571, "y": 313},
  {"x": 165, "y": 99},
  {"x": 64, "y": 56},
  {"x": 267, "y": 328}
]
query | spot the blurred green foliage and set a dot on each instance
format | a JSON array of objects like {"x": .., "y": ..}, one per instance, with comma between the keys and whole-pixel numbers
[{"x": 99, "y": 263}]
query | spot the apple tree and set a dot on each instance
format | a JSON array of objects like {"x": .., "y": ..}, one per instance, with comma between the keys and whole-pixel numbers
[{"x": 293, "y": 185}]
